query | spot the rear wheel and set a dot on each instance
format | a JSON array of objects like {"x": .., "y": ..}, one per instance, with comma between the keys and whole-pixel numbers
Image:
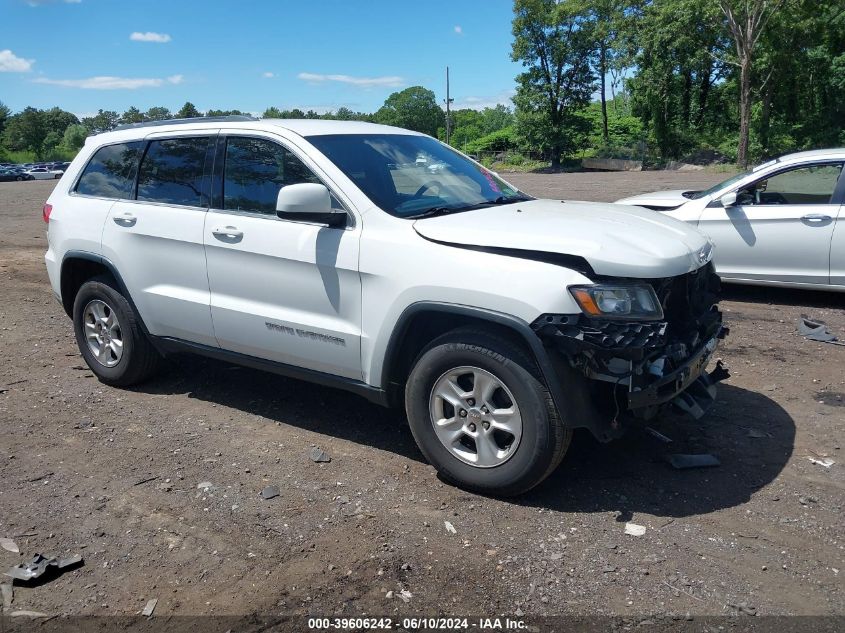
[
  {"x": 482, "y": 416},
  {"x": 109, "y": 335}
]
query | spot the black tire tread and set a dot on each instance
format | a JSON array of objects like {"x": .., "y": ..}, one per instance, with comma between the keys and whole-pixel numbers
[
  {"x": 144, "y": 359},
  {"x": 502, "y": 349}
]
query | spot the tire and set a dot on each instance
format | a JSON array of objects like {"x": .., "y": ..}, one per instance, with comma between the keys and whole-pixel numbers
[
  {"x": 101, "y": 305},
  {"x": 519, "y": 462},
  {"x": 19, "y": 178}
]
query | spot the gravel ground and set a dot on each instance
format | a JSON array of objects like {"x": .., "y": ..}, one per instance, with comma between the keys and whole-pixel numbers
[{"x": 158, "y": 486}]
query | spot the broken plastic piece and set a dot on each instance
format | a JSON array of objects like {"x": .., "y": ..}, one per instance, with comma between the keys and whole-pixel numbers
[
  {"x": 816, "y": 331},
  {"x": 149, "y": 607},
  {"x": 634, "y": 530},
  {"x": 658, "y": 435},
  {"x": 682, "y": 462},
  {"x": 40, "y": 565},
  {"x": 824, "y": 461}
]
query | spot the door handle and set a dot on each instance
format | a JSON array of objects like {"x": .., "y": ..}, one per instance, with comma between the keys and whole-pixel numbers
[
  {"x": 227, "y": 233},
  {"x": 125, "y": 219},
  {"x": 816, "y": 217}
]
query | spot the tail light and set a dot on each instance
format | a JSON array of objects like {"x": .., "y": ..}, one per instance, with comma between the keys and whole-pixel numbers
[{"x": 46, "y": 211}]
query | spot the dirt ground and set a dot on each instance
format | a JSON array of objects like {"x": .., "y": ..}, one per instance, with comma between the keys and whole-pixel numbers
[{"x": 158, "y": 486}]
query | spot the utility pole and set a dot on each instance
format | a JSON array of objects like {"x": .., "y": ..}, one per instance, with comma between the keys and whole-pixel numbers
[{"x": 449, "y": 101}]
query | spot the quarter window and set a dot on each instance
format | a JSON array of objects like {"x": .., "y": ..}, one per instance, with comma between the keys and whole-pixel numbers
[
  {"x": 111, "y": 171},
  {"x": 255, "y": 171},
  {"x": 172, "y": 172}
]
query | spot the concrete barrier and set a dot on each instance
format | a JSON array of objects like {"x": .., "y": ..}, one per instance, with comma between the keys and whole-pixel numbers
[{"x": 612, "y": 164}]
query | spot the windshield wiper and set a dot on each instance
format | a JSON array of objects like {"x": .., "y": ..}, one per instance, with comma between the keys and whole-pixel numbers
[{"x": 434, "y": 211}]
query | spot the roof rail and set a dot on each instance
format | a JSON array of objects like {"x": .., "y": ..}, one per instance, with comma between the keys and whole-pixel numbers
[{"x": 197, "y": 119}]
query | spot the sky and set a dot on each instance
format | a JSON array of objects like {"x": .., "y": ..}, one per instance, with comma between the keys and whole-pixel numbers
[{"x": 83, "y": 55}]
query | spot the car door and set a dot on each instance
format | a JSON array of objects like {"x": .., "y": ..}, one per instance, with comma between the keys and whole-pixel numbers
[
  {"x": 780, "y": 227},
  {"x": 283, "y": 290},
  {"x": 156, "y": 239},
  {"x": 837, "y": 241}
]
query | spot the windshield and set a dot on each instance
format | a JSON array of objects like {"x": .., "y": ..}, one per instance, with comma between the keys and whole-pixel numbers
[
  {"x": 414, "y": 176},
  {"x": 695, "y": 195}
]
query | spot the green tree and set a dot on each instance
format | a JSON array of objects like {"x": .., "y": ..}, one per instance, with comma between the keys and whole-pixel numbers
[
  {"x": 677, "y": 48},
  {"x": 552, "y": 40},
  {"x": 26, "y": 131},
  {"x": 494, "y": 119},
  {"x": 103, "y": 121},
  {"x": 157, "y": 113},
  {"x": 608, "y": 19},
  {"x": 188, "y": 111},
  {"x": 5, "y": 113},
  {"x": 746, "y": 21},
  {"x": 224, "y": 113},
  {"x": 74, "y": 137},
  {"x": 132, "y": 115},
  {"x": 413, "y": 108}
]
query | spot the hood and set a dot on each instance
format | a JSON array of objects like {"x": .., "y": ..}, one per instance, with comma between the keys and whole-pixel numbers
[
  {"x": 615, "y": 240},
  {"x": 658, "y": 199}
]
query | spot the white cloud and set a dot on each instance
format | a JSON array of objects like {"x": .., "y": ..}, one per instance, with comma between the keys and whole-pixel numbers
[
  {"x": 38, "y": 3},
  {"x": 390, "y": 81},
  {"x": 488, "y": 101},
  {"x": 110, "y": 83},
  {"x": 150, "y": 36},
  {"x": 11, "y": 63},
  {"x": 268, "y": 75},
  {"x": 458, "y": 29}
]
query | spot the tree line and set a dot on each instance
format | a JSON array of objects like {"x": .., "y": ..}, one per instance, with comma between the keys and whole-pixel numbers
[{"x": 657, "y": 80}]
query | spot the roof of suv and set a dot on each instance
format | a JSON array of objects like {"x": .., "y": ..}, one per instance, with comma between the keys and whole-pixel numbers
[{"x": 302, "y": 127}]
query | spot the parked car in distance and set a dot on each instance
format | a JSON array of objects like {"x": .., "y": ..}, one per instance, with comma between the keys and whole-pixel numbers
[
  {"x": 7, "y": 175},
  {"x": 781, "y": 223},
  {"x": 43, "y": 173},
  {"x": 323, "y": 250}
]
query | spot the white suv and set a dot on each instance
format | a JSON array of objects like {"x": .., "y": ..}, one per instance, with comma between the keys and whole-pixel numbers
[{"x": 329, "y": 251}]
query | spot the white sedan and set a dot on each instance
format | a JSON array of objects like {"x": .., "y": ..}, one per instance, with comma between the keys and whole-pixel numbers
[
  {"x": 42, "y": 173},
  {"x": 780, "y": 224}
]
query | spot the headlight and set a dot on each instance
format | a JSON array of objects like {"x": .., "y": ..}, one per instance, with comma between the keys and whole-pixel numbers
[{"x": 618, "y": 302}]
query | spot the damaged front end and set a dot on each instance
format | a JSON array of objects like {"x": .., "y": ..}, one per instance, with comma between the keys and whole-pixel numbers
[{"x": 634, "y": 368}]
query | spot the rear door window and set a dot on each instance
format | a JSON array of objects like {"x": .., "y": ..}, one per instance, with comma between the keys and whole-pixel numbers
[
  {"x": 173, "y": 172},
  {"x": 111, "y": 171}
]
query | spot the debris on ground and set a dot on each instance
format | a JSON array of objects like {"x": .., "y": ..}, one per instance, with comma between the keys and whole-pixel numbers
[
  {"x": 319, "y": 456},
  {"x": 813, "y": 330},
  {"x": 8, "y": 592},
  {"x": 39, "y": 565},
  {"x": 28, "y": 614},
  {"x": 149, "y": 607},
  {"x": 9, "y": 545},
  {"x": 634, "y": 530},
  {"x": 682, "y": 462},
  {"x": 205, "y": 485},
  {"x": 405, "y": 595},
  {"x": 389, "y": 595},
  {"x": 658, "y": 435},
  {"x": 270, "y": 492},
  {"x": 450, "y": 528},
  {"x": 823, "y": 461}
]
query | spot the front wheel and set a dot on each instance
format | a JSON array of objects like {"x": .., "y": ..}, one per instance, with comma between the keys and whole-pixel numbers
[
  {"x": 482, "y": 416},
  {"x": 109, "y": 335}
]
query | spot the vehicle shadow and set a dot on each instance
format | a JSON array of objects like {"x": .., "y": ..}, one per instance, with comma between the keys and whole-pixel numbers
[
  {"x": 751, "y": 435},
  {"x": 782, "y": 296},
  {"x": 282, "y": 400}
]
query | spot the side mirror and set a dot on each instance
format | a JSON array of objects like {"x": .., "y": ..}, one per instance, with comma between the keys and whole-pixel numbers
[
  {"x": 309, "y": 202},
  {"x": 729, "y": 199}
]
